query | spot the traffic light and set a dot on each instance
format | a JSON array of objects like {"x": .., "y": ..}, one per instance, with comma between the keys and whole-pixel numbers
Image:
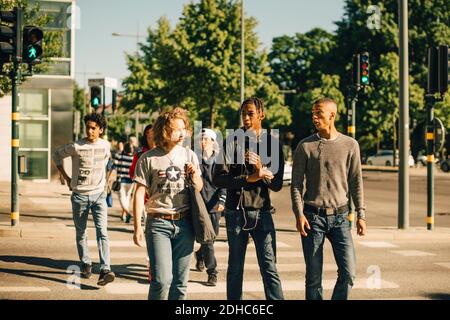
[
  {"x": 361, "y": 69},
  {"x": 114, "y": 100},
  {"x": 10, "y": 36},
  {"x": 438, "y": 70},
  {"x": 443, "y": 69},
  {"x": 96, "y": 96},
  {"x": 432, "y": 86},
  {"x": 32, "y": 44},
  {"x": 364, "y": 67}
]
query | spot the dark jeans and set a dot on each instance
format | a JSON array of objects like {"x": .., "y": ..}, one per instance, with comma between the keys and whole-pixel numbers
[
  {"x": 337, "y": 230},
  {"x": 206, "y": 251},
  {"x": 265, "y": 243}
]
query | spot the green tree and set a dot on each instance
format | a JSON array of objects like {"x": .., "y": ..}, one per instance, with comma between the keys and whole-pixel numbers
[
  {"x": 429, "y": 25},
  {"x": 197, "y": 65}
]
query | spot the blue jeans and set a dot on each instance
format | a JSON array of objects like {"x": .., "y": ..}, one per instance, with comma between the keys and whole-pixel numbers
[
  {"x": 265, "y": 243},
  {"x": 170, "y": 245},
  {"x": 336, "y": 229},
  {"x": 81, "y": 205}
]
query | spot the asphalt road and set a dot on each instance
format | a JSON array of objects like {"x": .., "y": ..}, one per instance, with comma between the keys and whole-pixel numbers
[{"x": 391, "y": 264}]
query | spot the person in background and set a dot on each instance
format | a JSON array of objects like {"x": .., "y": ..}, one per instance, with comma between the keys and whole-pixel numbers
[
  {"x": 215, "y": 203},
  {"x": 122, "y": 164},
  {"x": 147, "y": 143}
]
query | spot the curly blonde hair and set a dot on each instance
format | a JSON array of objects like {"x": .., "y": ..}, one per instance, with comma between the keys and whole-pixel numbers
[{"x": 162, "y": 128}]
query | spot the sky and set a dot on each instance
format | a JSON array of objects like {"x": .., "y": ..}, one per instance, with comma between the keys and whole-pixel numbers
[{"x": 99, "y": 54}]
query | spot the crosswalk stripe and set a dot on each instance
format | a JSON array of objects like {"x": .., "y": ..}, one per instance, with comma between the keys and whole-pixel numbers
[
  {"x": 443, "y": 264},
  {"x": 130, "y": 244},
  {"x": 412, "y": 253},
  {"x": 281, "y": 267},
  {"x": 249, "y": 286},
  {"x": 24, "y": 289},
  {"x": 218, "y": 254},
  {"x": 377, "y": 244},
  {"x": 224, "y": 244}
]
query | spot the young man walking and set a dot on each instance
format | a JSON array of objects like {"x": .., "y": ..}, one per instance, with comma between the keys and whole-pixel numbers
[
  {"x": 248, "y": 206},
  {"x": 329, "y": 164},
  {"x": 89, "y": 159}
]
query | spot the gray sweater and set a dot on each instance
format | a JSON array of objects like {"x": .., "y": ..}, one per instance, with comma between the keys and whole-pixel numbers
[{"x": 331, "y": 170}]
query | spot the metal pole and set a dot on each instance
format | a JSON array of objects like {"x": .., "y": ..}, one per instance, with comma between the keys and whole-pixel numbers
[
  {"x": 242, "y": 52},
  {"x": 136, "y": 124},
  {"x": 15, "y": 146},
  {"x": 430, "y": 161},
  {"x": 403, "y": 205},
  {"x": 104, "y": 100}
]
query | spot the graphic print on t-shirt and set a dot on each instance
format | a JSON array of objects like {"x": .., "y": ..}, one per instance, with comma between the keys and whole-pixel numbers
[
  {"x": 91, "y": 166},
  {"x": 171, "y": 180}
]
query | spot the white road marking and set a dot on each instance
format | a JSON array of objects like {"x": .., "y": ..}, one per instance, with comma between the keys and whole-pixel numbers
[
  {"x": 249, "y": 286},
  {"x": 218, "y": 254},
  {"x": 224, "y": 244},
  {"x": 444, "y": 264},
  {"x": 413, "y": 253},
  {"x": 24, "y": 289},
  {"x": 129, "y": 243},
  {"x": 377, "y": 244},
  {"x": 281, "y": 267}
]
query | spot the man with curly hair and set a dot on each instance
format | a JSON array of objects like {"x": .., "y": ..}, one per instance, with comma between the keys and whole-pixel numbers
[{"x": 89, "y": 159}]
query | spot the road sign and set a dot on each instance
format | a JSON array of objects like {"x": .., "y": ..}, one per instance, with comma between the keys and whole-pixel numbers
[{"x": 107, "y": 82}]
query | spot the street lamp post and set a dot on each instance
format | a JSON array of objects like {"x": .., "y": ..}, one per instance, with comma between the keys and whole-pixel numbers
[{"x": 128, "y": 35}]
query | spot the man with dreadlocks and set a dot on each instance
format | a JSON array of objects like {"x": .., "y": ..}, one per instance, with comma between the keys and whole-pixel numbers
[{"x": 248, "y": 208}]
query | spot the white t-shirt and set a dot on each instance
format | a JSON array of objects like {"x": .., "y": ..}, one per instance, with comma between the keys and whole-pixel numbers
[
  {"x": 164, "y": 176},
  {"x": 88, "y": 164}
]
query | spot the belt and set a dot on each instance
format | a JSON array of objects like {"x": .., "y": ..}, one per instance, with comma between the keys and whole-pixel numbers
[
  {"x": 168, "y": 216},
  {"x": 326, "y": 211}
]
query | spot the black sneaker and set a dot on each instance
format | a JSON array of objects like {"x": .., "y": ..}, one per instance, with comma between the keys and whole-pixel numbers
[
  {"x": 86, "y": 271},
  {"x": 200, "y": 264},
  {"x": 128, "y": 218},
  {"x": 212, "y": 280},
  {"x": 106, "y": 276}
]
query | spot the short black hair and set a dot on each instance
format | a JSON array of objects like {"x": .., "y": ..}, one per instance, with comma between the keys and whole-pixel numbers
[
  {"x": 257, "y": 102},
  {"x": 97, "y": 118},
  {"x": 324, "y": 100}
]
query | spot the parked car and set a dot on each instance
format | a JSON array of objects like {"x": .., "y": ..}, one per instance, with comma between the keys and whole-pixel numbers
[{"x": 386, "y": 158}]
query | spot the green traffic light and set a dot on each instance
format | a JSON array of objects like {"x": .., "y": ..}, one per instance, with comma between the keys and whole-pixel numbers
[
  {"x": 32, "y": 53},
  {"x": 365, "y": 80},
  {"x": 95, "y": 101}
]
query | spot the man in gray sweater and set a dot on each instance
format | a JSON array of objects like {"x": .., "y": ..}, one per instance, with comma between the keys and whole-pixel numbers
[{"x": 326, "y": 171}]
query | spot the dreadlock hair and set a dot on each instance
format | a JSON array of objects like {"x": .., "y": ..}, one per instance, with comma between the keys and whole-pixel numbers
[
  {"x": 98, "y": 119},
  {"x": 257, "y": 102},
  {"x": 162, "y": 128}
]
